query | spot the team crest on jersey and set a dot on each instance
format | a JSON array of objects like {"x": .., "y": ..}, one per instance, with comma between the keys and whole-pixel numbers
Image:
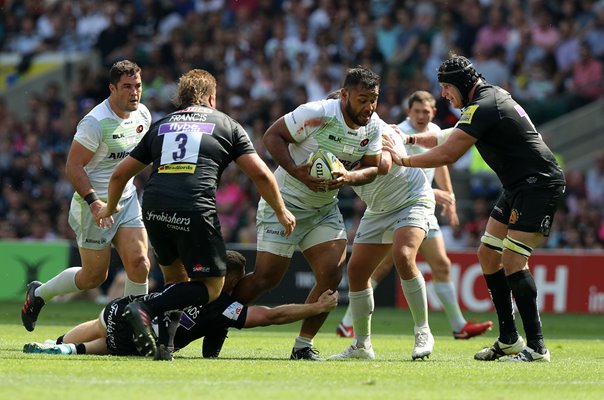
[
  {"x": 233, "y": 311},
  {"x": 364, "y": 142},
  {"x": 139, "y": 129},
  {"x": 514, "y": 216},
  {"x": 468, "y": 113}
]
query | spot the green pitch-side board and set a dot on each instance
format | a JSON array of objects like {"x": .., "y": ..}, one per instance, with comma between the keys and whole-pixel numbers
[{"x": 22, "y": 262}]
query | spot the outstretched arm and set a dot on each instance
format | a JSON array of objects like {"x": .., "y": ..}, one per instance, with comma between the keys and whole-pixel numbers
[
  {"x": 454, "y": 147},
  {"x": 284, "y": 314}
]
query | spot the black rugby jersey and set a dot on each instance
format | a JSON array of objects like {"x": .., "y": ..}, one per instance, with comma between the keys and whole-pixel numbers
[
  {"x": 189, "y": 149},
  {"x": 507, "y": 139},
  {"x": 196, "y": 322}
]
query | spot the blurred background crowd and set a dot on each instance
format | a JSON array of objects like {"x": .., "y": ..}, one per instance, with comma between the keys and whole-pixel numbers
[{"x": 271, "y": 55}]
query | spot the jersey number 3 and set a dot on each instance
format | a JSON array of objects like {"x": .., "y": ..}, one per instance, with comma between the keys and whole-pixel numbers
[{"x": 183, "y": 146}]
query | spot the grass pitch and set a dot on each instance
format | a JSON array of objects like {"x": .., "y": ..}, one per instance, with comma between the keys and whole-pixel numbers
[{"x": 254, "y": 364}]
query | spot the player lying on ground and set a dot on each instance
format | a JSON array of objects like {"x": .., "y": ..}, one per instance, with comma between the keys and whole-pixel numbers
[{"x": 112, "y": 334}]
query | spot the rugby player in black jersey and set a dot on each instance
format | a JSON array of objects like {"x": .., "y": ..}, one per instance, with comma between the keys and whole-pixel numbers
[
  {"x": 533, "y": 184},
  {"x": 112, "y": 334},
  {"x": 188, "y": 149}
]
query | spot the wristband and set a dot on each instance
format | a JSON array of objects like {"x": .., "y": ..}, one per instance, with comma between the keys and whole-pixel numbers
[
  {"x": 91, "y": 198},
  {"x": 411, "y": 139}
]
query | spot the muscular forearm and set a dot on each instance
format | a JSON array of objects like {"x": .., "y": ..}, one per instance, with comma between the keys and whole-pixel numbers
[
  {"x": 430, "y": 139},
  {"x": 79, "y": 180},
  {"x": 443, "y": 179},
  {"x": 362, "y": 176},
  {"x": 278, "y": 148},
  {"x": 116, "y": 188},
  {"x": 269, "y": 190}
]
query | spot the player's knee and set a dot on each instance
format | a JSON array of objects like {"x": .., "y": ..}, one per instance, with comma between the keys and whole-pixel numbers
[
  {"x": 517, "y": 247},
  {"x": 265, "y": 282},
  {"x": 90, "y": 279},
  {"x": 329, "y": 278},
  {"x": 491, "y": 242},
  {"x": 138, "y": 268},
  {"x": 406, "y": 256},
  {"x": 441, "y": 271}
]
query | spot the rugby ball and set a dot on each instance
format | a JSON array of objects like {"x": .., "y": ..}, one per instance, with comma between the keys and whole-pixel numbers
[{"x": 323, "y": 163}]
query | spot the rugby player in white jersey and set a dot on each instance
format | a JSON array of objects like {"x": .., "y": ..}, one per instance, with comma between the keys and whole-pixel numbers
[
  {"x": 400, "y": 203},
  {"x": 422, "y": 108},
  {"x": 104, "y": 137},
  {"x": 348, "y": 128}
]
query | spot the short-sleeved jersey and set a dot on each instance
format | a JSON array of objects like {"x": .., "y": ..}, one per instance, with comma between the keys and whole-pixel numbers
[
  {"x": 196, "y": 322},
  {"x": 189, "y": 149},
  {"x": 111, "y": 139},
  {"x": 398, "y": 188},
  {"x": 321, "y": 125},
  {"x": 409, "y": 130},
  {"x": 507, "y": 139}
]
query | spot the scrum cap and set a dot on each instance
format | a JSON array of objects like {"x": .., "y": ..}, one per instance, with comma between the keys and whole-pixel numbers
[{"x": 459, "y": 72}]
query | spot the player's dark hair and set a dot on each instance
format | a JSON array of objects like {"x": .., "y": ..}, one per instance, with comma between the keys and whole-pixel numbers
[
  {"x": 421, "y": 96},
  {"x": 333, "y": 95},
  {"x": 361, "y": 76},
  {"x": 459, "y": 72},
  {"x": 235, "y": 264},
  {"x": 121, "y": 68}
]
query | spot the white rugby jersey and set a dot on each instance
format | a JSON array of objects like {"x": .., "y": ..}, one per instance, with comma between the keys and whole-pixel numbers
[
  {"x": 408, "y": 129},
  {"x": 320, "y": 125},
  {"x": 111, "y": 138},
  {"x": 396, "y": 189}
]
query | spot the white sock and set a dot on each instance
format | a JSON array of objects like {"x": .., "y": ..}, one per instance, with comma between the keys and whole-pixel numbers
[
  {"x": 362, "y": 306},
  {"x": 415, "y": 294},
  {"x": 446, "y": 294},
  {"x": 302, "y": 342},
  {"x": 347, "y": 319},
  {"x": 134, "y": 288},
  {"x": 61, "y": 284},
  {"x": 68, "y": 348}
]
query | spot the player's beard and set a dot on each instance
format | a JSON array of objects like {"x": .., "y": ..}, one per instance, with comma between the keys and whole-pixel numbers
[{"x": 354, "y": 116}]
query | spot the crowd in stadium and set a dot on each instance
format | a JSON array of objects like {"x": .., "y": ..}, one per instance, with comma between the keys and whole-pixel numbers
[{"x": 271, "y": 55}]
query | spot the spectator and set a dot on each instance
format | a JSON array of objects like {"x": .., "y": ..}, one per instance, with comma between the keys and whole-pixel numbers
[
  {"x": 494, "y": 33},
  {"x": 586, "y": 83},
  {"x": 594, "y": 183}
]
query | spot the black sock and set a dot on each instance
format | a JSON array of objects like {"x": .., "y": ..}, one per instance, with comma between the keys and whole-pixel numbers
[
  {"x": 502, "y": 300},
  {"x": 167, "y": 328},
  {"x": 60, "y": 339},
  {"x": 525, "y": 293},
  {"x": 80, "y": 348},
  {"x": 178, "y": 297}
]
